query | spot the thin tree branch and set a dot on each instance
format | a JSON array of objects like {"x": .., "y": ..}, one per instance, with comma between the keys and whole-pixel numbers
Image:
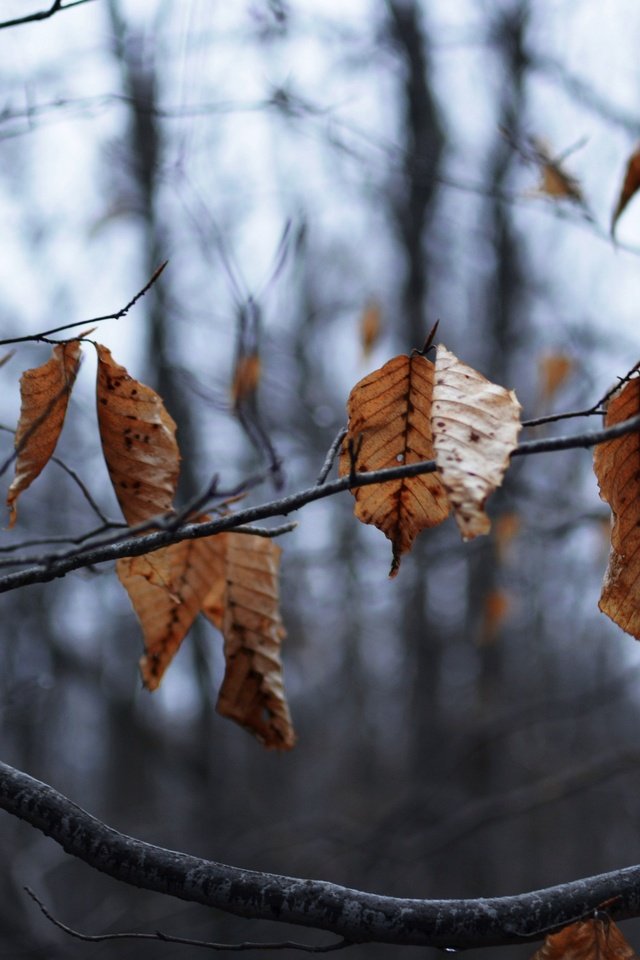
[
  {"x": 331, "y": 455},
  {"x": 356, "y": 916},
  {"x": 56, "y": 7},
  {"x": 112, "y": 548},
  {"x": 187, "y": 941},
  {"x": 28, "y": 338}
]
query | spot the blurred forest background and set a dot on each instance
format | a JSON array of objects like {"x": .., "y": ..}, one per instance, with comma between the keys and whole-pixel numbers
[{"x": 470, "y": 728}]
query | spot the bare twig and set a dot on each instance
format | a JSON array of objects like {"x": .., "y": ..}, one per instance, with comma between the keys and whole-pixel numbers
[
  {"x": 113, "y": 547},
  {"x": 187, "y": 941},
  {"x": 81, "y": 323},
  {"x": 598, "y": 408},
  {"x": 56, "y": 7},
  {"x": 331, "y": 455}
]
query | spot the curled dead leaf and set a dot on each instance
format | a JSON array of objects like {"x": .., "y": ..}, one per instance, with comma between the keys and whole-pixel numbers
[
  {"x": 555, "y": 182},
  {"x": 252, "y": 692},
  {"x": 593, "y": 939},
  {"x": 167, "y": 589},
  {"x": 475, "y": 427},
  {"x": 389, "y": 424},
  {"x": 44, "y": 393},
  {"x": 630, "y": 187},
  {"x": 246, "y": 378},
  {"x": 616, "y": 466},
  {"x": 553, "y": 370},
  {"x": 370, "y": 326},
  {"x": 138, "y": 441}
]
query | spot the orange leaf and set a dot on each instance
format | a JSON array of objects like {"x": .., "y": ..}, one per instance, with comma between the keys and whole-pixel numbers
[
  {"x": 496, "y": 608},
  {"x": 167, "y": 589},
  {"x": 370, "y": 327},
  {"x": 138, "y": 441},
  {"x": 44, "y": 392},
  {"x": 252, "y": 692},
  {"x": 556, "y": 182},
  {"x": 389, "y": 425},
  {"x": 246, "y": 378},
  {"x": 616, "y": 465},
  {"x": 629, "y": 187},
  {"x": 596, "y": 939},
  {"x": 553, "y": 370},
  {"x": 505, "y": 528},
  {"x": 475, "y": 427}
]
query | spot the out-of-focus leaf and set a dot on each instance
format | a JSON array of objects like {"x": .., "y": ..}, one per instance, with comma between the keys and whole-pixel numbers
[
  {"x": 556, "y": 182},
  {"x": 629, "y": 187},
  {"x": 370, "y": 327},
  {"x": 497, "y": 605},
  {"x": 554, "y": 368},
  {"x": 475, "y": 427},
  {"x": 505, "y": 528},
  {"x": 44, "y": 392},
  {"x": 246, "y": 378},
  {"x": 595, "y": 939},
  {"x": 252, "y": 692},
  {"x": 389, "y": 424},
  {"x": 167, "y": 589},
  {"x": 138, "y": 441},
  {"x": 617, "y": 467}
]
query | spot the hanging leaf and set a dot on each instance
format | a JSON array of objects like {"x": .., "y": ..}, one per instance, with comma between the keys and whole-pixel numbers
[
  {"x": 497, "y": 605},
  {"x": 553, "y": 370},
  {"x": 629, "y": 187},
  {"x": 252, "y": 692},
  {"x": 246, "y": 378},
  {"x": 556, "y": 182},
  {"x": 44, "y": 393},
  {"x": 616, "y": 465},
  {"x": 370, "y": 327},
  {"x": 595, "y": 939},
  {"x": 138, "y": 441},
  {"x": 389, "y": 424},
  {"x": 505, "y": 529},
  {"x": 167, "y": 589},
  {"x": 475, "y": 427}
]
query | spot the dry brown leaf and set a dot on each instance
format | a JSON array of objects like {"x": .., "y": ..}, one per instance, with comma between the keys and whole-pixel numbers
[
  {"x": 475, "y": 427},
  {"x": 246, "y": 378},
  {"x": 167, "y": 589},
  {"x": 556, "y": 182},
  {"x": 553, "y": 370},
  {"x": 617, "y": 467},
  {"x": 595, "y": 939},
  {"x": 252, "y": 692},
  {"x": 629, "y": 187},
  {"x": 138, "y": 441},
  {"x": 370, "y": 327},
  {"x": 497, "y": 605},
  {"x": 505, "y": 528},
  {"x": 44, "y": 392},
  {"x": 389, "y": 424}
]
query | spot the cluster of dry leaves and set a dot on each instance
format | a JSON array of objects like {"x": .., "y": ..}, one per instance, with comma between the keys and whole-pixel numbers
[
  {"x": 409, "y": 411},
  {"x": 231, "y": 578}
]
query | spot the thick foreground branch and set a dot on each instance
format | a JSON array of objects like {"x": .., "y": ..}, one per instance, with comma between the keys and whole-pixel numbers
[{"x": 356, "y": 916}]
